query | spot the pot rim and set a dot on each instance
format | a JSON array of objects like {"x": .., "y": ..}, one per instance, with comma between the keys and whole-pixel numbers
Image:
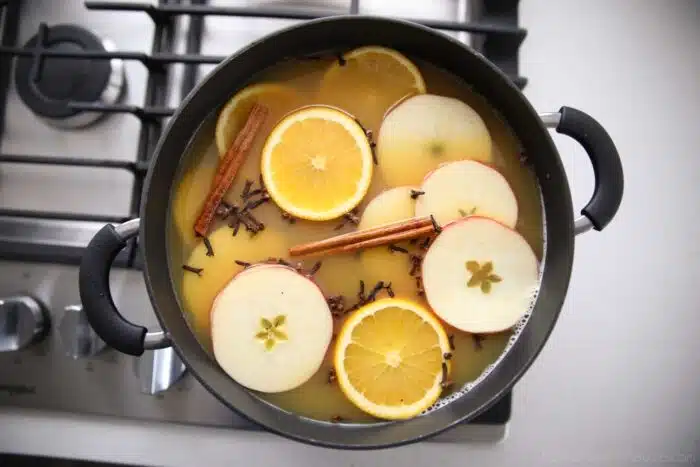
[{"x": 556, "y": 262}]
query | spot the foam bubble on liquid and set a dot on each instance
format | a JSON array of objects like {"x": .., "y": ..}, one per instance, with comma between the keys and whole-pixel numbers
[{"x": 517, "y": 330}]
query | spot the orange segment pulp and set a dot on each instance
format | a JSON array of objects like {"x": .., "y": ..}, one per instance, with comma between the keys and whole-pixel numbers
[{"x": 317, "y": 163}]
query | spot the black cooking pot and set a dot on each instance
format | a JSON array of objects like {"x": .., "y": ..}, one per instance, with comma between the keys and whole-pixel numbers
[{"x": 343, "y": 33}]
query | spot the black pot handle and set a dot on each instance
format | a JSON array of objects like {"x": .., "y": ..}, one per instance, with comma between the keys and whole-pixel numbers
[
  {"x": 607, "y": 167},
  {"x": 102, "y": 314}
]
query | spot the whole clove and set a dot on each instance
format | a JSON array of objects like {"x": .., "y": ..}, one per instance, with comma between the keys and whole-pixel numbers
[
  {"x": 389, "y": 290},
  {"x": 413, "y": 241},
  {"x": 246, "y": 189},
  {"x": 342, "y": 224},
  {"x": 337, "y": 304},
  {"x": 331, "y": 376},
  {"x": 314, "y": 269},
  {"x": 194, "y": 270},
  {"x": 236, "y": 224},
  {"x": 447, "y": 355},
  {"x": 420, "y": 291},
  {"x": 372, "y": 295},
  {"x": 368, "y": 133},
  {"x": 446, "y": 384},
  {"x": 425, "y": 243},
  {"x": 416, "y": 193},
  {"x": 245, "y": 264},
  {"x": 250, "y": 222},
  {"x": 283, "y": 262},
  {"x": 350, "y": 217},
  {"x": 436, "y": 226},
  {"x": 373, "y": 147},
  {"x": 250, "y": 194},
  {"x": 396, "y": 248},
  {"x": 478, "y": 340},
  {"x": 415, "y": 264},
  {"x": 223, "y": 210},
  {"x": 250, "y": 205},
  {"x": 361, "y": 294},
  {"x": 444, "y": 372},
  {"x": 336, "y": 419},
  {"x": 363, "y": 299},
  {"x": 451, "y": 340},
  {"x": 207, "y": 245},
  {"x": 353, "y": 217},
  {"x": 288, "y": 217}
]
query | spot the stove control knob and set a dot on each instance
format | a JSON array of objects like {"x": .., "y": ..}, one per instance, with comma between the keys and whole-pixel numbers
[
  {"x": 157, "y": 370},
  {"x": 78, "y": 338},
  {"x": 23, "y": 321}
]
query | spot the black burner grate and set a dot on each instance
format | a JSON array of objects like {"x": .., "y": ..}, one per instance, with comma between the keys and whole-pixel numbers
[{"x": 494, "y": 27}]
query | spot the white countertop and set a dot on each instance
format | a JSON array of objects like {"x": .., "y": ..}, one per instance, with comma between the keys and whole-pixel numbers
[{"x": 616, "y": 383}]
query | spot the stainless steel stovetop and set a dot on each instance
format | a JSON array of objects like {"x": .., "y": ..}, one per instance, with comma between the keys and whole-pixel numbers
[{"x": 60, "y": 182}]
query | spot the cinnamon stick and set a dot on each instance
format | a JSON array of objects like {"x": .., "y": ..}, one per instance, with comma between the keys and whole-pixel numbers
[
  {"x": 256, "y": 118},
  {"x": 229, "y": 166},
  {"x": 382, "y": 235},
  {"x": 378, "y": 241}
]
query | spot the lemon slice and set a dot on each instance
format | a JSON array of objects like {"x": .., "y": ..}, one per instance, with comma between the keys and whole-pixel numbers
[
  {"x": 276, "y": 98},
  {"x": 371, "y": 80},
  {"x": 389, "y": 358},
  {"x": 317, "y": 163}
]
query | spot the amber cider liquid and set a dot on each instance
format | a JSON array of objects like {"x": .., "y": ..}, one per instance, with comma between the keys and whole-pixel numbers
[{"x": 339, "y": 275}]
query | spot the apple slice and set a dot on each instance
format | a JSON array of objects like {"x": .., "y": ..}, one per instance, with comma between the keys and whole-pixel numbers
[
  {"x": 425, "y": 131},
  {"x": 389, "y": 206},
  {"x": 382, "y": 264},
  {"x": 271, "y": 328},
  {"x": 467, "y": 188},
  {"x": 479, "y": 275}
]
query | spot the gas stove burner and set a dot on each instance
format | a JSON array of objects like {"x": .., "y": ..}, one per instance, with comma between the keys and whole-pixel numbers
[{"x": 47, "y": 87}]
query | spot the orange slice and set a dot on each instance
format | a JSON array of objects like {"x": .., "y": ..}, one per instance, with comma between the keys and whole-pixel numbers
[
  {"x": 317, "y": 163},
  {"x": 389, "y": 358},
  {"x": 277, "y": 98},
  {"x": 371, "y": 80}
]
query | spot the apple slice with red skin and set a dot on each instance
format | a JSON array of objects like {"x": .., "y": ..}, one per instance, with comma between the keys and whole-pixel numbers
[
  {"x": 271, "y": 328},
  {"x": 479, "y": 275},
  {"x": 465, "y": 188}
]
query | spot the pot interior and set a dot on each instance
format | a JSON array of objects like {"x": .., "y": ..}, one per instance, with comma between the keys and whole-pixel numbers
[{"x": 177, "y": 187}]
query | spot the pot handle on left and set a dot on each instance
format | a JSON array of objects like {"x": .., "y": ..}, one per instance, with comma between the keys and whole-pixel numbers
[
  {"x": 607, "y": 166},
  {"x": 96, "y": 297}
]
